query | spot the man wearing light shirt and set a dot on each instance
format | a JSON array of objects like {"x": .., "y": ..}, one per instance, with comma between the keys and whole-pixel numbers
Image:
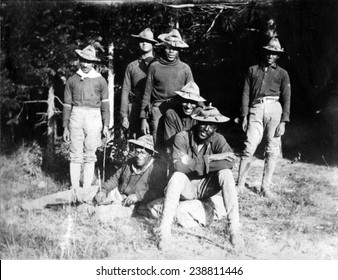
[{"x": 85, "y": 115}]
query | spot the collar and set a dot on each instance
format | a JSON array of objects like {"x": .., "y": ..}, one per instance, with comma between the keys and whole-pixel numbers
[
  {"x": 140, "y": 171},
  {"x": 274, "y": 66},
  {"x": 91, "y": 74},
  {"x": 168, "y": 63}
]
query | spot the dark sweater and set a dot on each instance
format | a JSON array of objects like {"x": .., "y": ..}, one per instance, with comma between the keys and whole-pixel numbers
[{"x": 163, "y": 79}]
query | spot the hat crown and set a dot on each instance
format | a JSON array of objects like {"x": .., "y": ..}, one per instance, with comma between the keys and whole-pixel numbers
[
  {"x": 147, "y": 34},
  {"x": 210, "y": 114},
  {"x": 88, "y": 53},
  {"x": 274, "y": 45},
  {"x": 145, "y": 141},
  {"x": 173, "y": 38},
  {"x": 190, "y": 91},
  {"x": 191, "y": 88}
]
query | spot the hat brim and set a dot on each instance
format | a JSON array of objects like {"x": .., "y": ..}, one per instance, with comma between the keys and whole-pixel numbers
[
  {"x": 272, "y": 50},
  {"x": 142, "y": 145},
  {"x": 190, "y": 96},
  {"x": 218, "y": 119},
  {"x": 139, "y": 38},
  {"x": 91, "y": 59}
]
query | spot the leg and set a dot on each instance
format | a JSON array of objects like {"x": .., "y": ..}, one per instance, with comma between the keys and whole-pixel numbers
[
  {"x": 64, "y": 197},
  {"x": 254, "y": 136},
  {"x": 155, "y": 118},
  {"x": 272, "y": 149},
  {"x": 92, "y": 129},
  {"x": 178, "y": 184},
  {"x": 76, "y": 146}
]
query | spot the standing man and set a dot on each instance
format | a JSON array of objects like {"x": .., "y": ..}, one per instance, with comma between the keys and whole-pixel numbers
[
  {"x": 265, "y": 110},
  {"x": 202, "y": 161},
  {"x": 85, "y": 115},
  {"x": 134, "y": 83},
  {"x": 167, "y": 74}
]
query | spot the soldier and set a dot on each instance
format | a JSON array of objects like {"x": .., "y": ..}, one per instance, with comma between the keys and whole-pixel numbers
[
  {"x": 134, "y": 83},
  {"x": 202, "y": 161},
  {"x": 85, "y": 115},
  {"x": 265, "y": 110}
]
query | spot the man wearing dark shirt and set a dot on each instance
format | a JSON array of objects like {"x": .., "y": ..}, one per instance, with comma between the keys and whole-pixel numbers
[
  {"x": 140, "y": 180},
  {"x": 179, "y": 119},
  {"x": 202, "y": 161},
  {"x": 265, "y": 110},
  {"x": 134, "y": 83},
  {"x": 167, "y": 74}
]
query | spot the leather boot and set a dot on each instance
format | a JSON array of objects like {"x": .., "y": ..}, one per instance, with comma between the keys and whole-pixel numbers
[
  {"x": 243, "y": 171},
  {"x": 269, "y": 168},
  {"x": 75, "y": 173},
  {"x": 88, "y": 174}
]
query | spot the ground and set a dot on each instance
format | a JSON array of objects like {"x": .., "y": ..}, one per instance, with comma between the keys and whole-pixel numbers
[{"x": 301, "y": 224}]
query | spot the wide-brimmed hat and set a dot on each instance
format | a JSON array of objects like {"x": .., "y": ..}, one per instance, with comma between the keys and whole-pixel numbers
[
  {"x": 146, "y": 35},
  {"x": 173, "y": 39},
  {"x": 210, "y": 114},
  {"x": 145, "y": 141},
  {"x": 190, "y": 91},
  {"x": 88, "y": 53},
  {"x": 274, "y": 46}
]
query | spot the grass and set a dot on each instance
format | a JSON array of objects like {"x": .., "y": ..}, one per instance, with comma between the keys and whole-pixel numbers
[{"x": 301, "y": 224}]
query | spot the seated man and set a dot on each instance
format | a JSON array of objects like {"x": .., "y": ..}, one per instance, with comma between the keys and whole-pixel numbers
[
  {"x": 180, "y": 119},
  {"x": 140, "y": 179},
  {"x": 202, "y": 160}
]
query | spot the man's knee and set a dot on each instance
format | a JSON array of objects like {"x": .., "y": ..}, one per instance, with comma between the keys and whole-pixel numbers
[
  {"x": 226, "y": 177},
  {"x": 178, "y": 177}
]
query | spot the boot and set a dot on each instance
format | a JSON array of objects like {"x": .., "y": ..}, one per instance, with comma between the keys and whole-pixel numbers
[
  {"x": 163, "y": 232},
  {"x": 75, "y": 173},
  {"x": 269, "y": 168},
  {"x": 243, "y": 171},
  {"x": 88, "y": 174}
]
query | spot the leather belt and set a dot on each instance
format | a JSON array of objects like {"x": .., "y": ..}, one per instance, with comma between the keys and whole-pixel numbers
[{"x": 264, "y": 99}]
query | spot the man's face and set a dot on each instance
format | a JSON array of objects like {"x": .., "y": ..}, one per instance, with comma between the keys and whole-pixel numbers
[
  {"x": 171, "y": 53},
  {"x": 188, "y": 106},
  {"x": 85, "y": 65},
  {"x": 142, "y": 157},
  {"x": 145, "y": 47},
  {"x": 205, "y": 130},
  {"x": 271, "y": 58}
]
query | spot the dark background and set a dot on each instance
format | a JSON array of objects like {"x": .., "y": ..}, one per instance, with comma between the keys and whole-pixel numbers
[{"x": 38, "y": 40}]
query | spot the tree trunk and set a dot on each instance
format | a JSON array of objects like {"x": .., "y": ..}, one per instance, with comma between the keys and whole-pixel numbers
[
  {"x": 111, "y": 76},
  {"x": 50, "y": 127}
]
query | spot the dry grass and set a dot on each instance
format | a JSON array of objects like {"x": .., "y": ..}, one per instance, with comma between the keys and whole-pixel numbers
[{"x": 301, "y": 224}]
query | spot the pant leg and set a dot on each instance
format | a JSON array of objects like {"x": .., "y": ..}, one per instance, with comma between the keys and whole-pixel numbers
[
  {"x": 154, "y": 121},
  {"x": 77, "y": 135},
  {"x": 223, "y": 180},
  {"x": 178, "y": 186},
  {"x": 92, "y": 134},
  {"x": 272, "y": 118},
  {"x": 254, "y": 136}
]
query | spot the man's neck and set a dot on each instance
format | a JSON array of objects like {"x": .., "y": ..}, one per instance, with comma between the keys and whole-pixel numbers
[
  {"x": 146, "y": 55},
  {"x": 140, "y": 169}
]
